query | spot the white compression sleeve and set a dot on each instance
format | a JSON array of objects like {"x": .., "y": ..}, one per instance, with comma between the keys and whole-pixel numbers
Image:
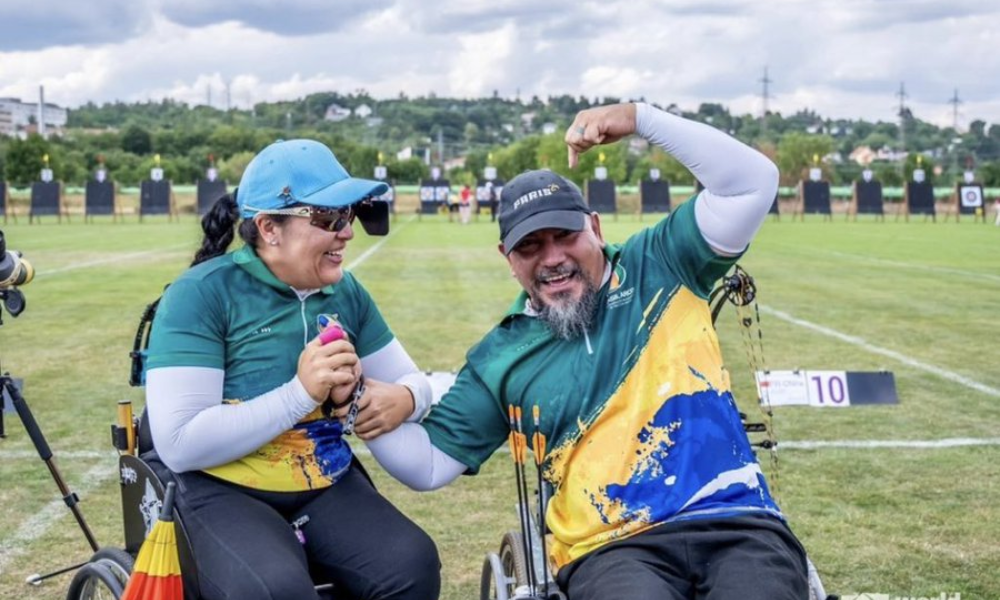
[
  {"x": 193, "y": 430},
  {"x": 408, "y": 455},
  {"x": 392, "y": 364},
  {"x": 740, "y": 183}
]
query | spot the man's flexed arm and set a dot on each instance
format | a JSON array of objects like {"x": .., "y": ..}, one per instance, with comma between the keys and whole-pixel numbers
[{"x": 740, "y": 183}]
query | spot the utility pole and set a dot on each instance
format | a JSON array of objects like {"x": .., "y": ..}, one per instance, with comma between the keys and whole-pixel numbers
[
  {"x": 229, "y": 97},
  {"x": 41, "y": 111},
  {"x": 901, "y": 94},
  {"x": 765, "y": 95},
  {"x": 955, "y": 101}
]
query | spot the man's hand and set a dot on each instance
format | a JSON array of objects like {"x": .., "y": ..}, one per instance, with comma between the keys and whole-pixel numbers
[
  {"x": 596, "y": 126},
  {"x": 383, "y": 407}
]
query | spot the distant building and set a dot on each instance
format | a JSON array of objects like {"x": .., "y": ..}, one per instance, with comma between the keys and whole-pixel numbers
[
  {"x": 6, "y": 122},
  {"x": 527, "y": 119},
  {"x": 454, "y": 163},
  {"x": 363, "y": 112},
  {"x": 336, "y": 113},
  {"x": 637, "y": 145},
  {"x": 549, "y": 128},
  {"x": 424, "y": 154},
  {"x": 863, "y": 155},
  {"x": 17, "y": 116}
]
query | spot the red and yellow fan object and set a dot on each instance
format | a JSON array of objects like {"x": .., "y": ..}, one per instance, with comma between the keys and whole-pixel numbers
[{"x": 157, "y": 571}]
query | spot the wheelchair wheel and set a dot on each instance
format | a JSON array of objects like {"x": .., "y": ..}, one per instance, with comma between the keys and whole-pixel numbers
[
  {"x": 117, "y": 561},
  {"x": 504, "y": 573},
  {"x": 95, "y": 581}
]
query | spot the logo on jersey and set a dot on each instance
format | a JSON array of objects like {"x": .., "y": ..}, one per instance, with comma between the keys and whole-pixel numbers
[
  {"x": 326, "y": 320},
  {"x": 617, "y": 296},
  {"x": 618, "y": 276}
]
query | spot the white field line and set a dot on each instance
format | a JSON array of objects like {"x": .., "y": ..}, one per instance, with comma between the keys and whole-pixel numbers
[
  {"x": 110, "y": 260},
  {"x": 783, "y": 444},
  {"x": 357, "y": 262},
  {"x": 70, "y": 454},
  {"x": 897, "y": 356},
  {"x": 833, "y": 444},
  {"x": 38, "y": 524},
  {"x": 870, "y": 444}
]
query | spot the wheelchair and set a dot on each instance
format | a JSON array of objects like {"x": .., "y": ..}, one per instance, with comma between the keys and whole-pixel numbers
[
  {"x": 507, "y": 575},
  {"x": 106, "y": 574}
]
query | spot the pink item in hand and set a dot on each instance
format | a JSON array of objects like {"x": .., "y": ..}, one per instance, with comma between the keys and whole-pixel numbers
[{"x": 331, "y": 334}]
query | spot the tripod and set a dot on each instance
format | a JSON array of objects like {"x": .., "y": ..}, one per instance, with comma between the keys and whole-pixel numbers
[{"x": 9, "y": 390}]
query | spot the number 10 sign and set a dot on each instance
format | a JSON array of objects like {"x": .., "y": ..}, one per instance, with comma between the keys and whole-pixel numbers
[{"x": 833, "y": 389}]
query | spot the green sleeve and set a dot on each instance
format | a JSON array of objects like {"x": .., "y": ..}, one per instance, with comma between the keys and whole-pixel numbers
[
  {"x": 678, "y": 243},
  {"x": 189, "y": 328},
  {"x": 468, "y": 424}
]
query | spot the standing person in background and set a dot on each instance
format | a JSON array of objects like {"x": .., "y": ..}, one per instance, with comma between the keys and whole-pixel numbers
[
  {"x": 241, "y": 394},
  {"x": 657, "y": 492},
  {"x": 996, "y": 209},
  {"x": 465, "y": 204},
  {"x": 491, "y": 196}
]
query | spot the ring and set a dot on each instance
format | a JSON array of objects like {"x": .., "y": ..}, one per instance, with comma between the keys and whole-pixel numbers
[{"x": 581, "y": 129}]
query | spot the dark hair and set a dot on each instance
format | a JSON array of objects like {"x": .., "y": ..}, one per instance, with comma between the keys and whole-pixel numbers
[{"x": 219, "y": 224}]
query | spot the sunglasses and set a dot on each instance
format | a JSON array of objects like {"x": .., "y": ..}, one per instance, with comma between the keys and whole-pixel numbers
[{"x": 333, "y": 220}]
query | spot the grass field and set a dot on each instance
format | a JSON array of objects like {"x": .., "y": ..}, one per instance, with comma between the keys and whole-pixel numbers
[{"x": 920, "y": 299}]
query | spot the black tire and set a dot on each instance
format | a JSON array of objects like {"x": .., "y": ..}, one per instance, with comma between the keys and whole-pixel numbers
[
  {"x": 487, "y": 591},
  {"x": 494, "y": 585},
  {"x": 515, "y": 563},
  {"x": 119, "y": 562},
  {"x": 94, "y": 581}
]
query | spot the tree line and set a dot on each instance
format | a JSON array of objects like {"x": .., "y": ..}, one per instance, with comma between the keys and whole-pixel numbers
[{"x": 131, "y": 138}]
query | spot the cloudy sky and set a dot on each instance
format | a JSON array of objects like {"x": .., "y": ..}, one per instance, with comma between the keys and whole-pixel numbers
[{"x": 842, "y": 58}]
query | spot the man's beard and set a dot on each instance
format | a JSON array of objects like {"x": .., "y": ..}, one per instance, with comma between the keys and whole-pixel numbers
[{"x": 569, "y": 319}]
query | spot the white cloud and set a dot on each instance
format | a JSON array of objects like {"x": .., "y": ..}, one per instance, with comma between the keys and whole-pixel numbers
[
  {"x": 480, "y": 61},
  {"x": 842, "y": 58}
]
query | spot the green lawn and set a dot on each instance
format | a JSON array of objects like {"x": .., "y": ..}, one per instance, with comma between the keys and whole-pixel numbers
[{"x": 902, "y": 521}]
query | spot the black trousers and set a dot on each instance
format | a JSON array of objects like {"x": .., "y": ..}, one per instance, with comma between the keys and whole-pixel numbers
[
  {"x": 246, "y": 548},
  {"x": 739, "y": 558}
]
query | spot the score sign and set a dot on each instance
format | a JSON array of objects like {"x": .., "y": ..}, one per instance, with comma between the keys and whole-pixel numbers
[
  {"x": 828, "y": 388},
  {"x": 825, "y": 389}
]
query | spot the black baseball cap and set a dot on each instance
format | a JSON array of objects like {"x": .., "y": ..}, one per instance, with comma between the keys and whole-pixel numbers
[{"x": 539, "y": 200}]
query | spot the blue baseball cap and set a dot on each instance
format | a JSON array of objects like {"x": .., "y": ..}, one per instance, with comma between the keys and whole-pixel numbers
[{"x": 294, "y": 172}]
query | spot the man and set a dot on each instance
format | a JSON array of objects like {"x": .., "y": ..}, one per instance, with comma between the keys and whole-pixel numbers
[{"x": 657, "y": 493}]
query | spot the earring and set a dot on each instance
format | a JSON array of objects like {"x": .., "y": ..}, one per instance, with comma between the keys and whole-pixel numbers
[{"x": 273, "y": 242}]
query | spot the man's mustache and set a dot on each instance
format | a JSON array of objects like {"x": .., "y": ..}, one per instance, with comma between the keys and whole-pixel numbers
[{"x": 548, "y": 274}]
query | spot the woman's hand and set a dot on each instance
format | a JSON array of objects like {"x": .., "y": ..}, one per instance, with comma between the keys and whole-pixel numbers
[
  {"x": 328, "y": 369},
  {"x": 382, "y": 408}
]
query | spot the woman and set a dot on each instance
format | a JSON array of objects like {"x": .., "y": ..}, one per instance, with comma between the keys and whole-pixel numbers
[{"x": 239, "y": 389}]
